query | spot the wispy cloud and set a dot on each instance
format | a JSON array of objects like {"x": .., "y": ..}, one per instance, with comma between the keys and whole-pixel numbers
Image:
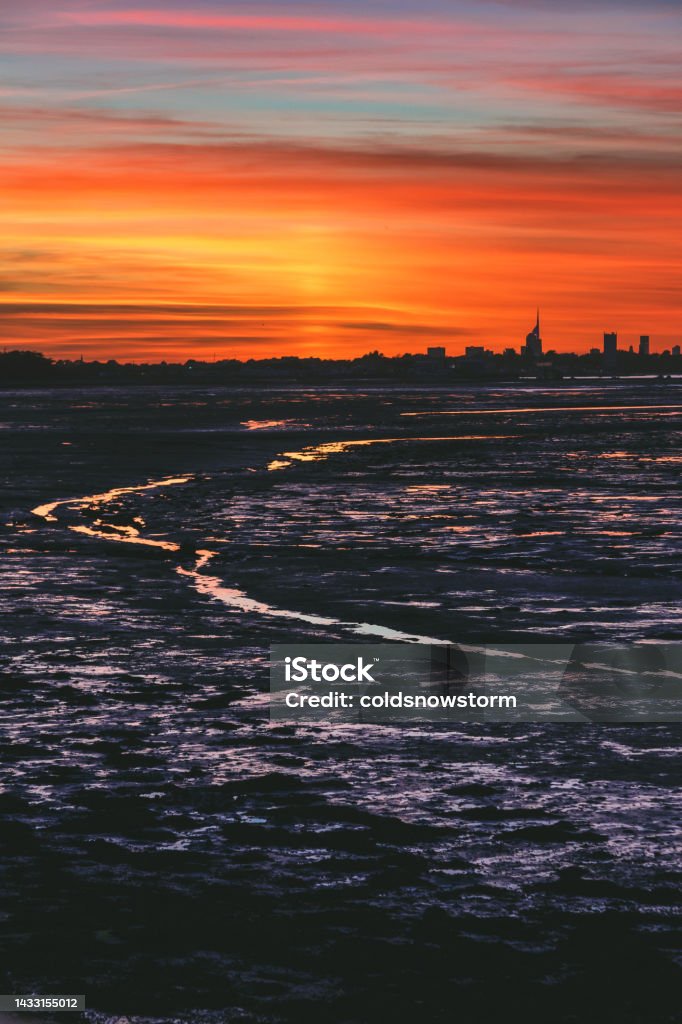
[
  {"x": 331, "y": 178},
  {"x": 273, "y": 22}
]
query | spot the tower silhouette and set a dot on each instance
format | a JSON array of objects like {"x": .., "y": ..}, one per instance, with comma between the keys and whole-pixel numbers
[{"x": 533, "y": 346}]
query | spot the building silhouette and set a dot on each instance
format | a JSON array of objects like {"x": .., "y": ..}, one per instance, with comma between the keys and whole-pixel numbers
[
  {"x": 533, "y": 346},
  {"x": 644, "y": 344},
  {"x": 610, "y": 348}
]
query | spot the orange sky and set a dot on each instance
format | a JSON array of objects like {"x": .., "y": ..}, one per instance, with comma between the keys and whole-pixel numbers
[{"x": 140, "y": 227}]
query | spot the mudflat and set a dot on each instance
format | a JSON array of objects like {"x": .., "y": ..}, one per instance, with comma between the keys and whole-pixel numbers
[{"x": 174, "y": 856}]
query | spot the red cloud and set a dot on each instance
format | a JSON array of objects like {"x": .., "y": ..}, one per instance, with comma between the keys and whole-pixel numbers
[{"x": 246, "y": 22}]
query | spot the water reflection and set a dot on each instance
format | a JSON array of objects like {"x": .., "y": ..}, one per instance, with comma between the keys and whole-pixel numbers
[
  {"x": 511, "y": 411},
  {"x": 320, "y": 452},
  {"x": 94, "y": 500}
]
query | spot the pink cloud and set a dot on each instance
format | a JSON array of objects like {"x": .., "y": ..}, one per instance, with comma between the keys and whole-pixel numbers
[
  {"x": 246, "y": 22},
  {"x": 610, "y": 89}
]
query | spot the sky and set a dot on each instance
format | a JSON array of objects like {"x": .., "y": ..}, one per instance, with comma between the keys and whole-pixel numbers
[{"x": 215, "y": 179}]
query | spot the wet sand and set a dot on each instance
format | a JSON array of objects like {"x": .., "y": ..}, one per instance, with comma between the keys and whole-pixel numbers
[{"x": 174, "y": 856}]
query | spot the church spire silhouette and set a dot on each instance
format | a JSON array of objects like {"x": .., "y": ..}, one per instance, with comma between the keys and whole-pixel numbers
[{"x": 533, "y": 346}]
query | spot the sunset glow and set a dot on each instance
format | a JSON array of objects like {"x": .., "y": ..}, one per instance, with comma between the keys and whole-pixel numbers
[{"x": 225, "y": 179}]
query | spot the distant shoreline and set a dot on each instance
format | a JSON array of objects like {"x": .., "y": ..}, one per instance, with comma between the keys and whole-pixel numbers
[
  {"x": 33, "y": 369},
  {"x": 378, "y": 383}
]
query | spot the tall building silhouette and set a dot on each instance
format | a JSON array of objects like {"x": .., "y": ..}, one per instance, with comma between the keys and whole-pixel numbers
[
  {"x": 533, "y": 346},
  {"x": 644, "y": 344},
  {"x": 610, "y": 348}
]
